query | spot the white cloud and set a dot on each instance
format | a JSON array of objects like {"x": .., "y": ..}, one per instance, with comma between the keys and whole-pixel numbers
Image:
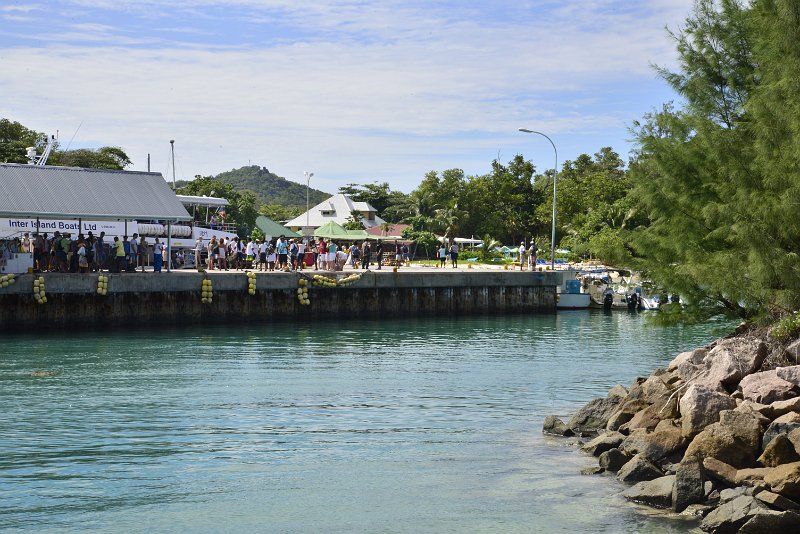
[{"x": 388, "y": 92}]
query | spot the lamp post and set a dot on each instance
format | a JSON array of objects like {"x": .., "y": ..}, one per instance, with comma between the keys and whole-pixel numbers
[
  {"x": 308, "y": 186},
  {"x": 555, "y": 179}
]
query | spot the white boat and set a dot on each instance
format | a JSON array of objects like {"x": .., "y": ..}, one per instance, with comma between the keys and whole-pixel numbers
[{"x": 569, "y": 295}]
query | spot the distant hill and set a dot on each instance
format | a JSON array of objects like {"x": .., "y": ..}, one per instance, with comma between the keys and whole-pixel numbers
[{"x": 268, "y": 187}]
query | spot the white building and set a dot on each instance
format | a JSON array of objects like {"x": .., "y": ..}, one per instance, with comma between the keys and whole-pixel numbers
[{"x": 338, "y": 209}]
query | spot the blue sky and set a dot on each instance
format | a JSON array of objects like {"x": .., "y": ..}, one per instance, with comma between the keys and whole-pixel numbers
[{"x": 354, "y": 91}]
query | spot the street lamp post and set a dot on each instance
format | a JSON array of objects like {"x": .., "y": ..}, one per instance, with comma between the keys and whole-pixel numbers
[
  {"x": 555, "y": 179},
  {"x": 308, "y": 186}
]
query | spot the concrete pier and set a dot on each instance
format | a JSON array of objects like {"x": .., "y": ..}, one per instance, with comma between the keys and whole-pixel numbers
[{"x": 175, "y": 298}]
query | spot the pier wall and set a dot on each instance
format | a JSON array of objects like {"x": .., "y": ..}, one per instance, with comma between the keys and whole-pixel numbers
[{"x": 174, "y": 298}]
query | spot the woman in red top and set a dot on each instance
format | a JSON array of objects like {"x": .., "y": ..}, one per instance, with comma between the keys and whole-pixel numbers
[{"x": 322, "y": 255}]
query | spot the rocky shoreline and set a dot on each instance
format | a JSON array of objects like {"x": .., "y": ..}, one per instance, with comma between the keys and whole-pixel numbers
[{"x": 715, "y": 435}]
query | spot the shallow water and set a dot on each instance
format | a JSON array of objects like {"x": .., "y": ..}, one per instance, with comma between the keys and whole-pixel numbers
[{"x": 428, "y": 425}]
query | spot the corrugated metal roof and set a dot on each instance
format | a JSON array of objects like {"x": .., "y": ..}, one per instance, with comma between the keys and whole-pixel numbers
[{"x": 69, "y": 192}]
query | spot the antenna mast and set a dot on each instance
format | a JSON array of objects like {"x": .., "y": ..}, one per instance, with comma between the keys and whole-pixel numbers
[{"x": 172, "y": 149}]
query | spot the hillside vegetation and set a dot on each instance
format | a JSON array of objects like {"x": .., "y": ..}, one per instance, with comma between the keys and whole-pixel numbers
[{"x": 270, "y": 188}]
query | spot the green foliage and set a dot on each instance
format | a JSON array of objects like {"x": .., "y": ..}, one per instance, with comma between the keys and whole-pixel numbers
[
  {"x": 270, "y": 188},
  {"x": 15, "y": 140},
  {"x": 353, "y": 222},
  {"x": 718, "y": 178},
  {"x": 241, "y": 211},
  {"x": 424, "y": 241},
  {"x": 787, "y": 327},
  {"x": 280, "y": 213},
  {"x": 389, "y": 205},
  {"x": 108, "y": 157}
]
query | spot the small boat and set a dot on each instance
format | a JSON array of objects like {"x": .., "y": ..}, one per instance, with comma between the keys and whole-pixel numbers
[
  {"x": 610, "y": 290},
  {"x": 569, "y": 294}
]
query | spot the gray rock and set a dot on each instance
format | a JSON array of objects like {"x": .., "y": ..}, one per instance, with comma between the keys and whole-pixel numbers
[
  {"x": 730, "y": 494},
  {"x": 793, "y": 350},
  {"x": 594, "y": 470},
  {"x": 771, "y": 521},
  {"x": 732, "y": 515},
  {"x": 694, "y": 357},
  {"x": 779, "y": 408},
  {"x": 776, "y": 501},
  {"x": 700, "y": 407},
  {"x": 751, "y": 477},
  {"x": 697, "y": 511},
  {"x": 656, "y": 445},
  {"x": 554, "y": 425},
  {"x": 733, "y": 440},
  {"x": 790, "y": 374},
  {"x": 654, "y": 389},
  {"x": 656, "y": 492},
  {"x": 637, "y": 469},
  {"x": 593, "y": 416},
  {"x": 731, "y": 360},
  {"x": 618, "y": 392},
  {"x": 776, "y": 428},
  {"x": 766, "y": 387},
  {"x": 603, "y": 443},
  {"x": 689, "y": 484},
  {"x": 785, "y": 479},
  {"x": 612, "y": 460},
  {"x": 720, "y": 470},
  {"x": 778, "y": 451}
]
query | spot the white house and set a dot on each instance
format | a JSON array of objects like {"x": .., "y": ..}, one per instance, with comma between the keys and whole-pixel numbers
[{"x": 338, "y": 209}]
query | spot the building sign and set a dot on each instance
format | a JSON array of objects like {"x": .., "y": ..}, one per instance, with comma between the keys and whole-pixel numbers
[{"x": 17, "y": 227}]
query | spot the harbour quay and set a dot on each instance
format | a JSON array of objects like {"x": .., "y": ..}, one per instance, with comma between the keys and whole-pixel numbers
[{"x": 177, "y": 298}]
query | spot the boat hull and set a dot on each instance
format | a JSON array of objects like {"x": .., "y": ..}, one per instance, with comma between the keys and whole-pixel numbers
[{"x": 573, "y": 301}]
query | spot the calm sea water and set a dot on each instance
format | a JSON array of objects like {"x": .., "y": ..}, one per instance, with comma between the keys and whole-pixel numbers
[{"x": 428, "y": 425}]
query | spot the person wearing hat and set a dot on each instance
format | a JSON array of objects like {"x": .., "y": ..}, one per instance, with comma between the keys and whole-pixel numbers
[{"x": 532, "y": 250}]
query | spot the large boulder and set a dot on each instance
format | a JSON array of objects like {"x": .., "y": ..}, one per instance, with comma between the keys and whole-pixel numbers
[
  {"x": 612, "y": 460},
  {"x": 694, "y": 357},
  {"x": 637, "y": 469},
  {"x": 720, "y": 470},
  {"x": 593, "y": 416},
  {"x": 779, "y": 451},
  {"x": 689, "y": 484},
  {"x": 750, "y": 477},
  {"x": 779, "y": 408},
  {"x": 700, "y": 407},
  {"x": 657, "y": 492},
  {"x": 733, "y": 440},
  {"x": 790, "y": 374},
  {"x": 776, "y": 501},
  {"x": 654, "y": 389},
  {"x": 731, "y": 516},
  {"x": 785, "y": 479},
  {"x": 731, "y": 360},
  {"x": 554, "y": 425},
  {"x": 766, "y": 387},
  {"x": 656, "y": 445},
  {"x": 772, "y": 521},
  {"x": 647, "y": 418},
  {"x": 782, "y": 425},
  {"x": 603, "y": 443},
  {"x": 618, "y": 392}
]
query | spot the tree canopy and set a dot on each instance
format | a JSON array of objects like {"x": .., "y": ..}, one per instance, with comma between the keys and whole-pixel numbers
[{"x": 718, "y": 177}]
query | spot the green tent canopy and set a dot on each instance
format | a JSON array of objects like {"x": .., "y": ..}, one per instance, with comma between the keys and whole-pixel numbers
[
  {"x": 273, "y": 229},
  {"x": 331, "y": 230}
]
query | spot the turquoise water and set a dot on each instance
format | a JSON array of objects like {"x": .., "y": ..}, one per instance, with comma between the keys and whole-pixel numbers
[{"x": 428, "y": 425}]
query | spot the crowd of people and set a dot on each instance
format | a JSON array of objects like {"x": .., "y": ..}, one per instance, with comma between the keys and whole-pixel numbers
[
  {"x": 294, "y": 254},
  {"x": 65, "y": 252},
  {"x": 68, "y": 253}
]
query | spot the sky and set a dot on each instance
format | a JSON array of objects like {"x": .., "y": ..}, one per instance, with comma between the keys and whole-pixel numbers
[{"x": 355, "y": 91}]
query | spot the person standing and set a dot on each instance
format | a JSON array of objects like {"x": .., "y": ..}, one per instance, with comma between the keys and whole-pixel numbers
[
  {"x": 282, "y": 249},
  {"x": 332, "y": 250},
  {"x": 532, "y": 250},
  {"x": 198, "y": 252},
  {"x": 142, "y": 251},
  {"x": 454, "y": 254},
  {"x": 83, "y": 263},
  {"x": 134, "y": 261},
  {"x": 158, "y": 256},
  {"x": 442, "y": 255},
  {"x": 322, "y": 255},
  {"x": 101, "y": 252},
  {"x": 263, "y": 247},
  {"x": 379, "y": 253},
  {"x": 365, "y": 255},
  {"x": 522, "y": 255},
  {"x": 212, "y": 252},
  {"x": 119, "y": 255}
]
